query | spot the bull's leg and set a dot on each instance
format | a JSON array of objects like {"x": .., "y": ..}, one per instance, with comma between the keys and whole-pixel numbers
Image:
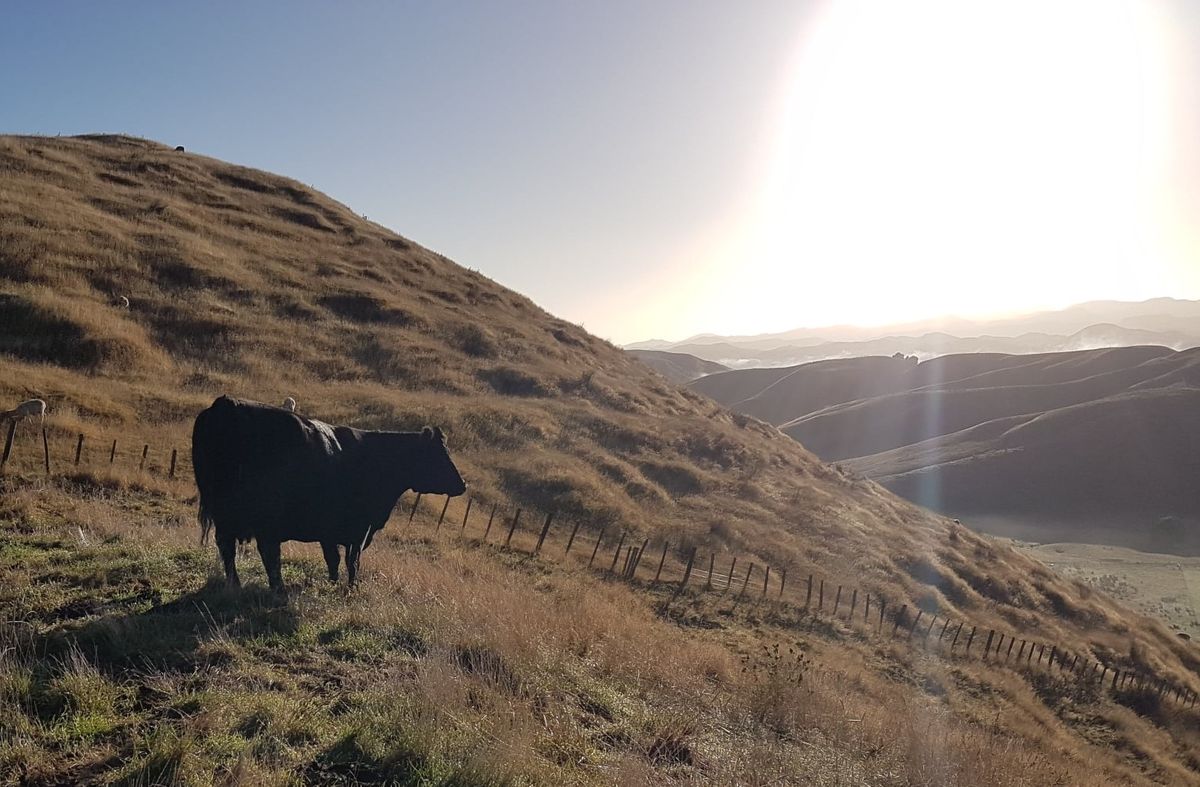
[
  {"x": 269, "y": 551},
  {"x": 332, "y": 558},
  {"x": 353, "y": 551},
  {"x": 227, "y": 546}
]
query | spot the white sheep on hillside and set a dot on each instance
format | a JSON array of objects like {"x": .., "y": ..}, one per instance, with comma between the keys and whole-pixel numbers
[
  {"x": 289, "y": 404},
  {"x": 26, "y": 409}
]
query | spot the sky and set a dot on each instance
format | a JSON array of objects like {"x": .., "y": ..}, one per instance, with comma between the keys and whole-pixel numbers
[{"x": 661, "y": 169}]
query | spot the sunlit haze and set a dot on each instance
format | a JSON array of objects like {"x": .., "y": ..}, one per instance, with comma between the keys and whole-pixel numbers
[
  {"x": 660, "y": 170},
  {"x": 941, "y": 157}
]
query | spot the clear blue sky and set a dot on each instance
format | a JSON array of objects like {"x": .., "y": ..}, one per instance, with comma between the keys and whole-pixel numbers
[{"x": 623, "y": 163}]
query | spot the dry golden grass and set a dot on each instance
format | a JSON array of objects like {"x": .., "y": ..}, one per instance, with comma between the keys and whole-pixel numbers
[
  {"x": 251, "y": 284},
  {"x": 456, "y": 663}
]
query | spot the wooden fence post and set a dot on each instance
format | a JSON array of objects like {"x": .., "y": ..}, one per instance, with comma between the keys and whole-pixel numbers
[
  {"x": 491, "y": 516},
  {"x": 837, "y": 601},
  {"x": 512, "y": 528},
  {"x": 882, "y": 607},
  {"x": 929, "y": 630},
  {"x": 641, "y": 551},
  {"x": 1073, "y": 661},
  {"x": 466, "y": 514},
  {"x": 663, "y": 559},
  {"x": 142, "y": 463},
  {"x": 867, "y": 610},
  {"x": 442, "y": 515},
  {"x": 957, "y": 631},
  {"x": 899, "y": 617},
  {"x": 821, "y": 597},
  {"x": 112, "y": 455},
  {"x": 987, "y": 646},
  {"x": 628, "y": 560},
  {"x": 970, "y": 639},
  {"x": 1008, "y": 653},
  {"x": 571, "y": 538},
  {"x": 942, "y": 633},
  {"x": 746, "y": 581},
  {"x": 1053, "y": 652},
  {"x": 782, "y": 581},
  {"x": 545, "y": 530},
  {"x": 687, "y": 573},
  {"x": 416, "y": 503},
  {"x": 78, "y": 449},
  {"x": 8, "y": 442},
  {"x": 712, "y": 561},
  {"x": 766, "y": 579},
  {"x": 808, "y": 596},
  {"x": 853, "y": 604},
  {"x": 46, "y": 450},
  {"x": 596, "y": 548},
  {"x": 617, "y": 554},
  {"x": 174, "y": 457}
]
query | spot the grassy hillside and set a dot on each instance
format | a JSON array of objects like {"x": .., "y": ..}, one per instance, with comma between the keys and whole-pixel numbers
[
  {"x": 457, "y": 663},
  {"x": 1118, "y": 470}
]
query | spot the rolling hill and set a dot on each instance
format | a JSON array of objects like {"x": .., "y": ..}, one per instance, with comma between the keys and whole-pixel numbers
[
  {"x": 676, "y": 367},
  {"x": 1100, "y": 445},
  {"x": 456, "y": 661}
]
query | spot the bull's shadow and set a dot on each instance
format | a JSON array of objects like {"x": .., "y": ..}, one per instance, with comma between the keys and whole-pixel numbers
[{"x": 180, "y": 634}]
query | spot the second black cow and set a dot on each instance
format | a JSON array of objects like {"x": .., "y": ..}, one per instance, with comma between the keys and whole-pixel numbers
[{"x": 268, "y": 474}]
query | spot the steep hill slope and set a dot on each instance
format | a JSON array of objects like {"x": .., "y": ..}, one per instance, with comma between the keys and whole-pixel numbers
[{"x": 244, "y": 282}]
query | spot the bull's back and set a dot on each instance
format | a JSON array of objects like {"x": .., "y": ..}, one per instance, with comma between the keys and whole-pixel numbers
[{"x": 258, "y": 472}]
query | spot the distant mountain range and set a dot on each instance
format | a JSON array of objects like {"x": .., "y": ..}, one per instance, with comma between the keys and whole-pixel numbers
[
  {"x": 1165, "y": 322},
  {"x": 1097, "y": 445},
  {"x": 677, "y": 367}
]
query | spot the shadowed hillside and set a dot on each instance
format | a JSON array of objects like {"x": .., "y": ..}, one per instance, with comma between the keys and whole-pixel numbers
[
  {"x": 1093, "y": 445},
  {"x": 457, "y": 663}
]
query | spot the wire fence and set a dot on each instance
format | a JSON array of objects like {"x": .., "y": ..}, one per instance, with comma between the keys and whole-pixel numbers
[{"x": 618, "y": 555}]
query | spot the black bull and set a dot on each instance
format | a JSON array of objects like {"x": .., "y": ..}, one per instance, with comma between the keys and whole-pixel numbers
[{"x": 272, "y": 475}]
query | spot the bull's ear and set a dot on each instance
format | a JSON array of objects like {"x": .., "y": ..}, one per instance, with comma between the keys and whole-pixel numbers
[
  {"x": 427, "y": 433},
  {"x": 437, "y": 432}
]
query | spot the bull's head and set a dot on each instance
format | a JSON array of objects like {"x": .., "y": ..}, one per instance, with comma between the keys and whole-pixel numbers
[{"x": 435, "y": 472}]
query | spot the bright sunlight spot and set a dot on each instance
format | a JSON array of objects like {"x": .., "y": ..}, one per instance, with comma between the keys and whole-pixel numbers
[{"x": 975, "y": 156}]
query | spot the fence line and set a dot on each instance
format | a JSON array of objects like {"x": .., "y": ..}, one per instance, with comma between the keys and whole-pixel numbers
[
  {"x": 954, "y": 637},
  {"x": 720, "y": 582}
]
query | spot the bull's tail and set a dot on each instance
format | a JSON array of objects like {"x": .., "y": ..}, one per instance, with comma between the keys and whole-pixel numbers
[
  {"x": 206, "y": 523},
  {"x": 207, "y": 434}
]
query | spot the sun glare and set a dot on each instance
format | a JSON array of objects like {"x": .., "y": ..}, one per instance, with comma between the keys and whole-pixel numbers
[{"x": 936, "y": 157}]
